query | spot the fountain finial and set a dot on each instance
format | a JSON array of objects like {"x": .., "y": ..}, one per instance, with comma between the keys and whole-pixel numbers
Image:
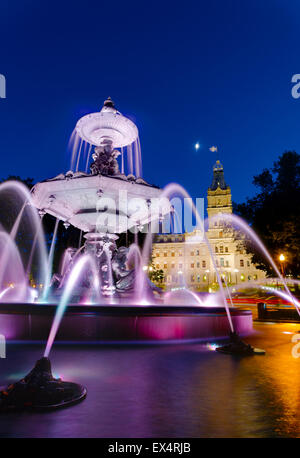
[{"x": 109, "y": 103}]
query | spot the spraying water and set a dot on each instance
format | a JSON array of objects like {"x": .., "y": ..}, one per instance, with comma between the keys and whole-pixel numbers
[
  {"x": 50, "y": 261},
  {"x": 249, "y": 231},
  {"x": 176, "y": 189},
  {"x": 74, "y": 277}
]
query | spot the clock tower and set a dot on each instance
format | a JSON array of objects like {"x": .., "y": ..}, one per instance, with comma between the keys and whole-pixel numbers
[{"x": 218, "y": 200}]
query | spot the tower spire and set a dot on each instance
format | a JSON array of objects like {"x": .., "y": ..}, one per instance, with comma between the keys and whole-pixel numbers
[{"x": 218, "y": 174}]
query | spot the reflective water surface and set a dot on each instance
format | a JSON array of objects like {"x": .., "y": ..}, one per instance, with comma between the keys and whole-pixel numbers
[{"x": 167, "y": 391}]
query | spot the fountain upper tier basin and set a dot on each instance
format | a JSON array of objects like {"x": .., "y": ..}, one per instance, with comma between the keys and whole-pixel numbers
[
  {"x": 108, "y": 125},
  {"x": 111, "y": 323},
  {"x": 75, "y": 198}
]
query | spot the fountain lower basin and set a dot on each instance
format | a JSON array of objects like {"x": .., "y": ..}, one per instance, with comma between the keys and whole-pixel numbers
[{"x": 122, "y": 323}]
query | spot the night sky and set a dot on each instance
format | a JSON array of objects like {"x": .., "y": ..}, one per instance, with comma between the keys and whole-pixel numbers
[{"x": 216, "y": 72}]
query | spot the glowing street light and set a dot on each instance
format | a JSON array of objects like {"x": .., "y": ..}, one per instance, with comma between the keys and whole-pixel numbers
[
  {"x": 282, "y": 259},
  {"x": 197, "y": 146}
]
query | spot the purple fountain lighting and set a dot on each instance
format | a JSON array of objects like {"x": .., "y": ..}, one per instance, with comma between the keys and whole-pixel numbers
[
  {"x": 254, "y": 237},
  {"x": 118, "y": 277},
  {"x": 11, "y": 263},
  {"x": 176, "y": 189},
  {"x": 77, "y": 270}
]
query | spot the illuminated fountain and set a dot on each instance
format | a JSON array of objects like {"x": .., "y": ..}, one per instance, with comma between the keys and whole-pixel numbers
[{"x": 102, "y": 292}]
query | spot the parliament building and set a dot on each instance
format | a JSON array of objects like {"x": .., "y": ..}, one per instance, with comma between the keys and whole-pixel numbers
[{"x": 185, "y": 258}]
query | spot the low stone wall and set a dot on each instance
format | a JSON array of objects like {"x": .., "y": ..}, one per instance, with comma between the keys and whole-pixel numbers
[
  {"x": 269, "y": 313},
  {"x": 119, "y": 324}
]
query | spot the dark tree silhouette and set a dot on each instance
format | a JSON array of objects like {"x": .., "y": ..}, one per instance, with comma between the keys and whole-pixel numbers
[{"x": 274, "y": 213}]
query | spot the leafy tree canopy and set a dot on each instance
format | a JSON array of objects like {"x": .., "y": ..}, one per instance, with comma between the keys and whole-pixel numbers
[{"x": 274, "y": 213}]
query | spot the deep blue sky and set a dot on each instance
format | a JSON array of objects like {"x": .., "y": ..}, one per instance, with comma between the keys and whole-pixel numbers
[{"x": 215, "y": 71}]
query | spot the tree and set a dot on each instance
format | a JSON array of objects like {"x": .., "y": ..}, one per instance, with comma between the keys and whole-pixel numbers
[
  {"x": 274, "y": 213},
  {"x": 10, "y": 207},
  {"x": 27, "y": 181},
  {"x": 155, "y": 275}
]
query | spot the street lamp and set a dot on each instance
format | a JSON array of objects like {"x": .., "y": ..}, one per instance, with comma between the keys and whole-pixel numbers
[{"x": 282, "y": 259}]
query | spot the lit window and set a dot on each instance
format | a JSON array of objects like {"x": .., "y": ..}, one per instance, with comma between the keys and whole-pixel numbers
[
  {"x": 226, "y": 249},
  {"x": 192, "y": 278},
  {"x": 165, "y": 254},
  {"x": 192, "y": 265},
  {"x": 173, "y": 253},
  {"x": 216, "y": 250},
  {"x": 241, "y": 262},
  {"x": 203, "y": 264},
  {"x": 221, "y": 249}
]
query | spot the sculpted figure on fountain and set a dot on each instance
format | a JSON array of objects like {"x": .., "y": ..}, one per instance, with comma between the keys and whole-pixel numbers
[{"x": 105, "y": 160}]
